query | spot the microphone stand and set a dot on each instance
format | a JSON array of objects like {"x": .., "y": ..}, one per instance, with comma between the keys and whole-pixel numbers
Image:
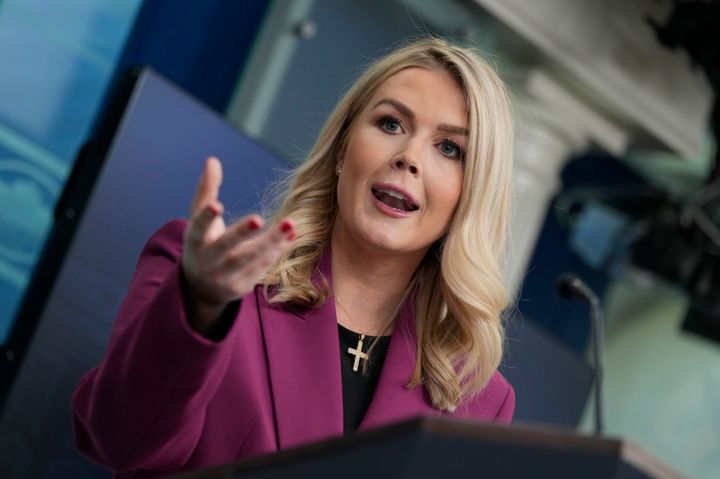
[
  {"x": 571, "y": 287},
  {"x": 597, "y": 319}
]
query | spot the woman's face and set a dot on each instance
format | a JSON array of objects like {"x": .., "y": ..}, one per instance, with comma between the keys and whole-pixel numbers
[{"x": 403, "y": 163}]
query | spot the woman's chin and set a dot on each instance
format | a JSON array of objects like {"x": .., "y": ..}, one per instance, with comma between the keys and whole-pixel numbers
[
  {"x": 376, "y": 234},
  {"x": 388, "y": 243}
]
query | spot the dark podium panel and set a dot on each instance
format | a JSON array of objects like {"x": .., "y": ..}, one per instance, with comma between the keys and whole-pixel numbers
[{"x": 450, "y": 449}]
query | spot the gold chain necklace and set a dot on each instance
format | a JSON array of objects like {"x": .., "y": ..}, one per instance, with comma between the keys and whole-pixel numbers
[{"x": 357, "y": 351}]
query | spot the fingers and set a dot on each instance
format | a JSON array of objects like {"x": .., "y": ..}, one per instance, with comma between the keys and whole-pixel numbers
[
  {"x": 250, "y": 260},
  {"x": 245, "y": 229},
  {"x": 228, "y": 267},
  {"x": 208, "y": 186},
  {"x": 201, "y": 223}
]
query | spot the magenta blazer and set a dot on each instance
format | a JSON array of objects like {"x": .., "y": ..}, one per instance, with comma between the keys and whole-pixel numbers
[{"x": 166, "y": 399}]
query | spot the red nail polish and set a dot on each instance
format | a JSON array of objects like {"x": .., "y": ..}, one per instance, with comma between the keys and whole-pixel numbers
[
  {"x": 211, "y": 211},
  {"x": 286, "y": 226},
  {"x": 292, "y": 236},
  {"x": 254, "y": 224}
]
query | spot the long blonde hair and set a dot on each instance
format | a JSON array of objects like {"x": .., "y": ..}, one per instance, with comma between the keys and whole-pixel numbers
[{"x": 459, "y": 288}]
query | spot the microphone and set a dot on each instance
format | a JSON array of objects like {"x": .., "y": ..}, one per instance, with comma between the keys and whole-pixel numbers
[{"x": 569, "y": 286}]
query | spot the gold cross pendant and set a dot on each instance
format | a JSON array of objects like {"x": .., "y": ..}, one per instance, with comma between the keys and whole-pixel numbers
[{"x": 358, "y": 353}]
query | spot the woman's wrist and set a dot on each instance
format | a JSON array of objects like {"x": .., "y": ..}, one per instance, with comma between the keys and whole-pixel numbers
[
  {"x": 213, "y": 322},
  {"x": 205, "y": 317},
  {"x": 202, "y": 317}
]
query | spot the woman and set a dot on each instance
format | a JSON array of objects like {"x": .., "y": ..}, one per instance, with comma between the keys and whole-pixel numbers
[{"x": 375, "y": 295}]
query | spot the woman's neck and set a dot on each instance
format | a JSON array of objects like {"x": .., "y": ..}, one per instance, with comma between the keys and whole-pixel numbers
[{"x": 368, "y": 287}]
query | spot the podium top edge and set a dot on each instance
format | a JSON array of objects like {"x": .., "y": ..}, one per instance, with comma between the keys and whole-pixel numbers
[
  {"x": 537, "y": 437},
  {"x": 644, "y": 461}
]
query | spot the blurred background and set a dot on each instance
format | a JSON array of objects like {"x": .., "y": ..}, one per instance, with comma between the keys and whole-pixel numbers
[{"x": 617, "y": 178}]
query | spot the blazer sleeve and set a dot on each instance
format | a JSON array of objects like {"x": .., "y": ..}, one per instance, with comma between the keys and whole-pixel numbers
[{"x": 143, "y": 406}]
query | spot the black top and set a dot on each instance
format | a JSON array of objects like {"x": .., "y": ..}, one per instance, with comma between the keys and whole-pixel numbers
[{"x": 358, "y": 386}]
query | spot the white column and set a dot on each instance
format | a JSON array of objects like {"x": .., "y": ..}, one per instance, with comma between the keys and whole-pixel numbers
[
  {"x": 540, "y": 156},
  {"x": 552, "y": 126}
]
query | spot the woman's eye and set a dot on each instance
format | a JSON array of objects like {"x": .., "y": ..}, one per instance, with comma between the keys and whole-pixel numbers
[
  {"x": 390, "y": 124},
  {"x": 451, "y": 150}
]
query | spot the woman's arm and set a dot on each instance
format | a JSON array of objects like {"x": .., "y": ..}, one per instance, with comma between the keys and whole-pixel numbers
[{"x": 143, "y": 406}]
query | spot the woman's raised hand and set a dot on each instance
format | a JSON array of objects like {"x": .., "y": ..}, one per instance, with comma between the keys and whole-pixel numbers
[{"x": 223, "y": 263}]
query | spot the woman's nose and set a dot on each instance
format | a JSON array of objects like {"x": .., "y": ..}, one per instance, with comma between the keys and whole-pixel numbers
[
  {"x": 402, "y": 163},
  {"x": 408, "y": 158}
]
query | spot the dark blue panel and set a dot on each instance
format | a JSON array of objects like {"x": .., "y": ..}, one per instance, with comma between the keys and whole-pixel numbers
[
  {"x": 552, "y": 383},
  {"x": 200, "y": 46}
]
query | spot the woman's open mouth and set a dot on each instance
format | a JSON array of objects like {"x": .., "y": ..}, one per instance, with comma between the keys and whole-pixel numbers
[{"x": 393, "y": 200}]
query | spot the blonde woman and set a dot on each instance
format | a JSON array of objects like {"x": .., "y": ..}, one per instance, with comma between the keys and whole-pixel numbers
[{"x": 374, "y": 295}]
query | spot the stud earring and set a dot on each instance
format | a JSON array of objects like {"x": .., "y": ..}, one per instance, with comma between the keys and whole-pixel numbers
[{"x": 338, "y": 171}]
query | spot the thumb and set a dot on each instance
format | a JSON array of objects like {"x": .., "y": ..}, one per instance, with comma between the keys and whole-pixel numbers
[{"x": 208, "y": 187}]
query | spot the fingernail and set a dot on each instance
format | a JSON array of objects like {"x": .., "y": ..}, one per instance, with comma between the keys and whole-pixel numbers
[
  {"x": 286, "y": 226},
  {"x": 254, "y": 224},
  {"x": 292, "y": 236},
  {"x": 211, "y": 211}
]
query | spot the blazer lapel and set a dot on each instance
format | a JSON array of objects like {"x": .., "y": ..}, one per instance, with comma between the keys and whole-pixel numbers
[
  {"x": 302, "y": 348},
  {"x": 392, "y": 401}
]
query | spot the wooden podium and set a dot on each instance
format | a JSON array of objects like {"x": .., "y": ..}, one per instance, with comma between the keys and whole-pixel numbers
[{"x": 450, "y": 449}]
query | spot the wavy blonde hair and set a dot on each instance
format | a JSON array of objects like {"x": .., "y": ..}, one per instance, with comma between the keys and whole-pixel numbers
[{"x": 459, "y": 288}]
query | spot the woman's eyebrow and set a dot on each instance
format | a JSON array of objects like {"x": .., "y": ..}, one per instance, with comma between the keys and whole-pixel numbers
[
  {"x": 458, "y": 130},
  {"x": 399, "y": 106},
  {"x": 406, "y": 111}
]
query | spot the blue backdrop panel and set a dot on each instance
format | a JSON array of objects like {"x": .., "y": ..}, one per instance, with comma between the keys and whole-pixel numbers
[{"x": 155, "y": 154}]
